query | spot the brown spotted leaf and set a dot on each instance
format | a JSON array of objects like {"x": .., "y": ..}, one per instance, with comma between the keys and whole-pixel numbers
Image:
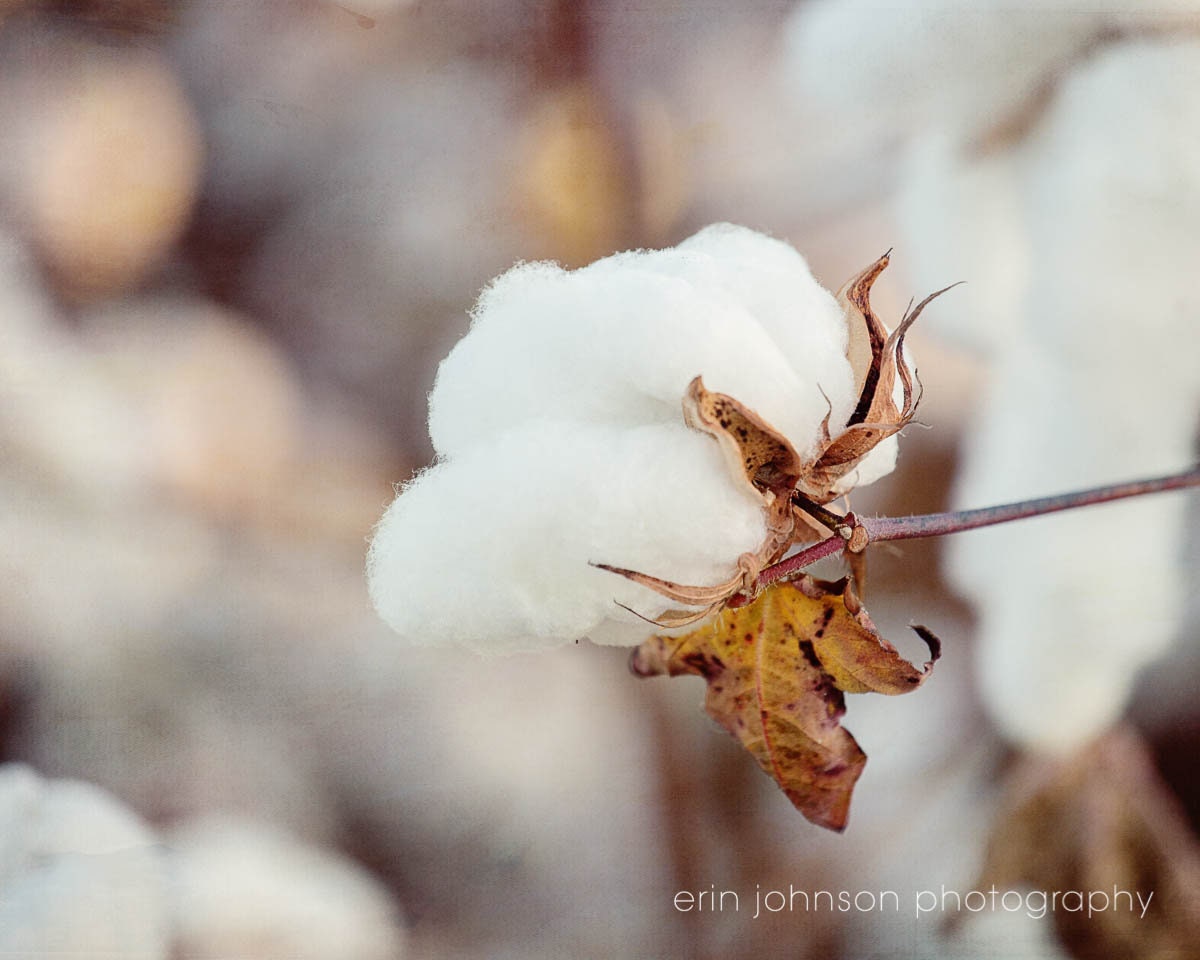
[
  {"x": 776, "y": 671},
  {"x": 857, "y": 658}
]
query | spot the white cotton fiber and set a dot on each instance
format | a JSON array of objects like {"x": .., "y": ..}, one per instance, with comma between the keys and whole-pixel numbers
[
  {"x": 619, "y": 341},
  {"x": 559, "y": 428},
  {"x": 492, "y": 548}
]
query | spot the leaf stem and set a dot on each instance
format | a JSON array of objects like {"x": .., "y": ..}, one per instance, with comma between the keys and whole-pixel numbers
[{"x": 937, "y": 524}]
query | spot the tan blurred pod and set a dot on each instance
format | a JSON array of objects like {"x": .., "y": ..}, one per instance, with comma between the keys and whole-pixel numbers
[
  {"x": 104, "y": 161},
  {"x": 572, "y": 179}
]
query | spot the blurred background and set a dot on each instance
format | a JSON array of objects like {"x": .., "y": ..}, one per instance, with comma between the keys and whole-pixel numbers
[{"x": 236, "y": 237}]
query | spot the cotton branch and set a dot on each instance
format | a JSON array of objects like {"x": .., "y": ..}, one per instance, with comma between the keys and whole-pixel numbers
[{"x": 855, "y": 533}]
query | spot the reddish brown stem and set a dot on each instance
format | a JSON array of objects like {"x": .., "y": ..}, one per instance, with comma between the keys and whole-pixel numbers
[{"x": 937, "y": 524}]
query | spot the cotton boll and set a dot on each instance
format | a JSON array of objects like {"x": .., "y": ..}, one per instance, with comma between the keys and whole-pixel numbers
[
  {"x": 1065, "y": 628},
  {"x": 559, "y": 422},
  {"x": 247, "y": 890},
  {"x": 546, "y": 342},
  {"x": 1074, "y": 607},
  {"x": 878, "y": 463},
  {"x": 492, "y": 548},
  {"x": 1114, "y": 219},
  {"x": 80, "y": 875},
  {"x": 1058, "y": 661},
  {"x": 619, "y": 341}
]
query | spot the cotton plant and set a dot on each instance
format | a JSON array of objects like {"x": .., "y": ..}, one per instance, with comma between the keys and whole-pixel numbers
[{"x": 643, "y": 443}]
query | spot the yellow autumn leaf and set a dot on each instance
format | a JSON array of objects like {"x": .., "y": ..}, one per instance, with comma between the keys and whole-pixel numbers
[{"x": 776, "y": 671}]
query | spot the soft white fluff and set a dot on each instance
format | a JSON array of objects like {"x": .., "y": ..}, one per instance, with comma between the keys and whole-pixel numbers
[
  {"x": 559, "y": 430},
  {"x": 618, "y": 341}
]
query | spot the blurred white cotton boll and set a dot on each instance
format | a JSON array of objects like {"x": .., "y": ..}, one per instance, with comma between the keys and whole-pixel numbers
[
  {"x": 1050, "y": 161},
  {"x": 247, "y": 890},
  {"x": 1100, "y": 386},
  {"x": 775, "y": 284},
  {"x": 858, "y": 56},
  {"x": 559, "y": 422},
  {"x": 80, "y": 875},
  {"x": 1069, "y": 606}
]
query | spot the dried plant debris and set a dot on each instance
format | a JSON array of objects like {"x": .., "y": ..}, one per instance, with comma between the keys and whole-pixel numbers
[
  {"x": 777, "y": 670},
  {"x": 1102, "y": 830}
]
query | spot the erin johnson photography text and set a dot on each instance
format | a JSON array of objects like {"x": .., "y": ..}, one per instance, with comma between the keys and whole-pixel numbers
[{"x": 1033, "y": 903}]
